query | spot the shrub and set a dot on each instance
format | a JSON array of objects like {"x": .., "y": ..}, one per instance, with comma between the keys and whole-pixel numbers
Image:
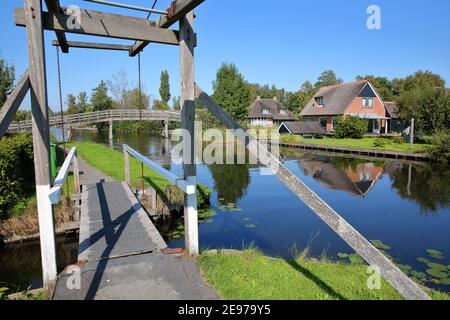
[
  {"x": 439, "y": 150},
  {"x": 398, "y": 140},
  {"x": 379, "y": 143},
  {"x": 351, "y": 127},
  {"x": 16, "y": 169}
]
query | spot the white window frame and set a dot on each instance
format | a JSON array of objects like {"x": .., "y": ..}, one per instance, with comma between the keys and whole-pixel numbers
[{"x": 364, "y": 102}]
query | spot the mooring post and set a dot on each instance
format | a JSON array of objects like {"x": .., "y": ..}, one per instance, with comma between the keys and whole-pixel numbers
[
  {"x": 41, "y": 141},
  {"x": 187, "y": 38}
]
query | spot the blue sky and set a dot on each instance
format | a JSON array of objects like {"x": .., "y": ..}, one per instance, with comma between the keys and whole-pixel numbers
[{"x": 276, "y": 42}]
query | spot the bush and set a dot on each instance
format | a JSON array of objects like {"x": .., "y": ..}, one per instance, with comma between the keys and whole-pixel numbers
[
  {"x": 351, "y": 127},
  {"x": 439, "y": 150},
  {"x": 379, "y": 143},
  {"x": 16, "y": 170},
  {"x": 398, "y": 140}
]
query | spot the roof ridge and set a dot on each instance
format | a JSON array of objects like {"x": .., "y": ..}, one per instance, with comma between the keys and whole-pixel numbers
[{"x": 344, "y": 84}]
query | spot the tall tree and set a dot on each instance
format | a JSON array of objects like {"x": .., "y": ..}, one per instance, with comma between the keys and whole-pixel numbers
[
  {"x": 164, "y": 88},
  {"x": 328, "y": 78},
  {"x": 71, "y": 102},
  {"x": 118, "y": 86},
  {"x": 231, "y": 91},
  {"x": 82, "y": 104},
  {"x": 7, "y": 78},
  {"x": 133, "y": 101},
  {"x": 100, "y": 99}
]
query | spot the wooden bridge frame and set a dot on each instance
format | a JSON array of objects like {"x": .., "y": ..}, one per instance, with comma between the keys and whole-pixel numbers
[{"x": 117, "y": 26}]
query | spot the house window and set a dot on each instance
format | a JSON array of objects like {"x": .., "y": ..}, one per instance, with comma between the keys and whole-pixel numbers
[
  {"x": 334, "y": 122},
  {"x": 367, "y": 102},
  {"x": 320, "y": 101},
  {"x": 323, "y": 122},
  {"x": 266, "y": 111}
]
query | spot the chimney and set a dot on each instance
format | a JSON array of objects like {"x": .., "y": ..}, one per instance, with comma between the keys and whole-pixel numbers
[{"x": 275, "y": 98}]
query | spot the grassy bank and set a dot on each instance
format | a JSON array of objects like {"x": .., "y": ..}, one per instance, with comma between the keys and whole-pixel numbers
[
  {"x": 251, "y": 275},
  {"x": 364, "y": 143},
  {"x": 111, "y": 163}
]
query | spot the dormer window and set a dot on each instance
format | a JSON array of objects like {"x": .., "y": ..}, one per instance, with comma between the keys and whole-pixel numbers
[
  {"x": 320, "y": 101},
  {"x": 367, "y": 102},
  {"x": 266, "y": 111}
]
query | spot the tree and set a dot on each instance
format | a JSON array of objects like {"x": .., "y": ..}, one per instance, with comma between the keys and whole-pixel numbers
[
  {"x": 164, "y": 88},
  {"x": 72, "y": 107},
  {"x": 133, "y": 101},
  {"x": 231, "y": 91},
  {"x": 160, "y": 105},
  {"x": 119, "y": 87},
  {"x": 176, "y": 103},
  {"x": 7, "y": 78},
  {"x": 82, "y": 104},
  {"x": 328, "y": 78},
  {"x": 351, "y": 127},
  {"x": 100, "y": 99},
  {"x": 421, "y": 79}
]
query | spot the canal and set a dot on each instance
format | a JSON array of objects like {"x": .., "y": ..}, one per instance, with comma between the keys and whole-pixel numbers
[{"x": 403, "y": 207}]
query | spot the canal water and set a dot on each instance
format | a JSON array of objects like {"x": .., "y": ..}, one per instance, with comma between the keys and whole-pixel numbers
[{"x": 404, "y": 207}]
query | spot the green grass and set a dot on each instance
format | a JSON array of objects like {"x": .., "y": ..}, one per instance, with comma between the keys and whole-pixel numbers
[
  {"x": 251, "y": 275},
  {"x": 364, "y": 143},
  {"x": 111, "y": 163}
]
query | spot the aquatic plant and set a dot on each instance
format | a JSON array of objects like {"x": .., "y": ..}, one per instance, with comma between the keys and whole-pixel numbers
[
  {"x": 380, "y": 245},
  {"x": 250, "y": 226},
  {"x": 435, "y": 254},
  {"x": 437, "y": 274}
]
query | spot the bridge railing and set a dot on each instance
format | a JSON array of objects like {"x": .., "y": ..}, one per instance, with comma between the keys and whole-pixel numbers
[
  {"x": 58, "y": 185},
  {"x": 189, "y": 187}
]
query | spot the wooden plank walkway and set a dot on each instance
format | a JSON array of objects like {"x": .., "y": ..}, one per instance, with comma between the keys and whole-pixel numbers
[{"x": 120, "y": 253}]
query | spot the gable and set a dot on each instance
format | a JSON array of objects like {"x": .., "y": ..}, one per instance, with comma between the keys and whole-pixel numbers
[{"x": 367, "y": 92}]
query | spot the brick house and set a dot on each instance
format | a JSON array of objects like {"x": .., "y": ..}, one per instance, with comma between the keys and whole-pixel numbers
[
  {"x": 358, "y": 99},
  {"x": 268, "y": 113}
]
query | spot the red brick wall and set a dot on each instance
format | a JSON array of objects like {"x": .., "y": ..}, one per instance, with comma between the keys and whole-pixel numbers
[{"x": 356, "y": 107}]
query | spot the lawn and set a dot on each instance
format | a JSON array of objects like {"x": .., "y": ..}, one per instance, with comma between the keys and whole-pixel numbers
[
  {"x": 364, "y": 143},
  {"x": 251, "y": 275},
  {"x": 111, "y": 163}
]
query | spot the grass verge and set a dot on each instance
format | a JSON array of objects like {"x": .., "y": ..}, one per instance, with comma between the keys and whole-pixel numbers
[
  {"x": 251, "y": 275},
  {"x": 364, "y": 143}
]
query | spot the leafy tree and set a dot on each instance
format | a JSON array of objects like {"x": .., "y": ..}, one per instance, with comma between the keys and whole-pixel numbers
[
  {"x": 164, "y": 88},
  {"x": 134, "y": 101},
  {"x": 383, "y": 86},
  {"x": 176, "y": 103},
  {"x": 7, "y": 78},
  {"x": 328, "y": 78},
  {"x": 72, "y": 107},
  {"x": 82, "y": 104},
  {"x": 160, "y": 105},
  {"x": 351, "y": 127},
  {"x": 22, "y": 115},
  {"x": 119, "y": 87},
  {"x": 429, "y": 106},
  {"x": 420, "y": 80},
  {"x": 231, "y": 91},
  {"x": 100, "y": 99}
]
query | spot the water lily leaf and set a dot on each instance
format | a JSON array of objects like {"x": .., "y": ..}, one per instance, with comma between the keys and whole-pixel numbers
[
  {"x": 437, "y": 266},
  {"x": 404, "y": 268},
  {"x": 209, "y": 221},
  {"x": 445, "y": 282},
  {"x": 419, "y": 275},
  {"x": 380, "y": 245},
  {"x": 342, "y": 255},
  {"x": 247, "y": 219},
  {"x": 435, "y": 254},
  {"x": 423, "y": 260},
  {"x": 250, "y": 226},
  {"x": 355, "y": 259},
  {"x": 437, "y": 274}
]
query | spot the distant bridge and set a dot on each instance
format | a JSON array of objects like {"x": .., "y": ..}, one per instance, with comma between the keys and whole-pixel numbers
[{"x": 109, "y": 116}]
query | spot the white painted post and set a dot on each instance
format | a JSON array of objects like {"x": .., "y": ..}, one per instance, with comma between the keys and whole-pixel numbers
[
  {"x": 41, "y": 140},
  {"x": 187, "y": 39},
  {"x": 191, "y": 220},
  {"x": 411, "y": 134},
  {"x": 111, "y": 137},
  {"x": 76, "y": 174}
]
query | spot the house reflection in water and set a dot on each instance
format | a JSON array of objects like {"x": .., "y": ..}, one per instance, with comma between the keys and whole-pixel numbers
[{"x": 355, "y": 176}]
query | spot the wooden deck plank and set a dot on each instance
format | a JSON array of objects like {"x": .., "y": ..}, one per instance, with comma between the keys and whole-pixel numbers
[{"x": 113, "y": 223}]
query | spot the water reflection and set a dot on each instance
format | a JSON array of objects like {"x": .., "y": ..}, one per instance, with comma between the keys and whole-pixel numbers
[{"x": 230, "y": 182}]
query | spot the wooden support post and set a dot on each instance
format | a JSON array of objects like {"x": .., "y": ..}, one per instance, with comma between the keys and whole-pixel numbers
[
  {"x": 187, "y": 123},
  {"x": 111, "y": 135},
  {"x": 126, "y": 158},
  {"x": 411, "y": 133},
  {"x": 12, "y": 104},
  {"x": 154, "y": 199},
  {"x": 41, "y": 140},
  {"x": 166, "y": 129}
]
